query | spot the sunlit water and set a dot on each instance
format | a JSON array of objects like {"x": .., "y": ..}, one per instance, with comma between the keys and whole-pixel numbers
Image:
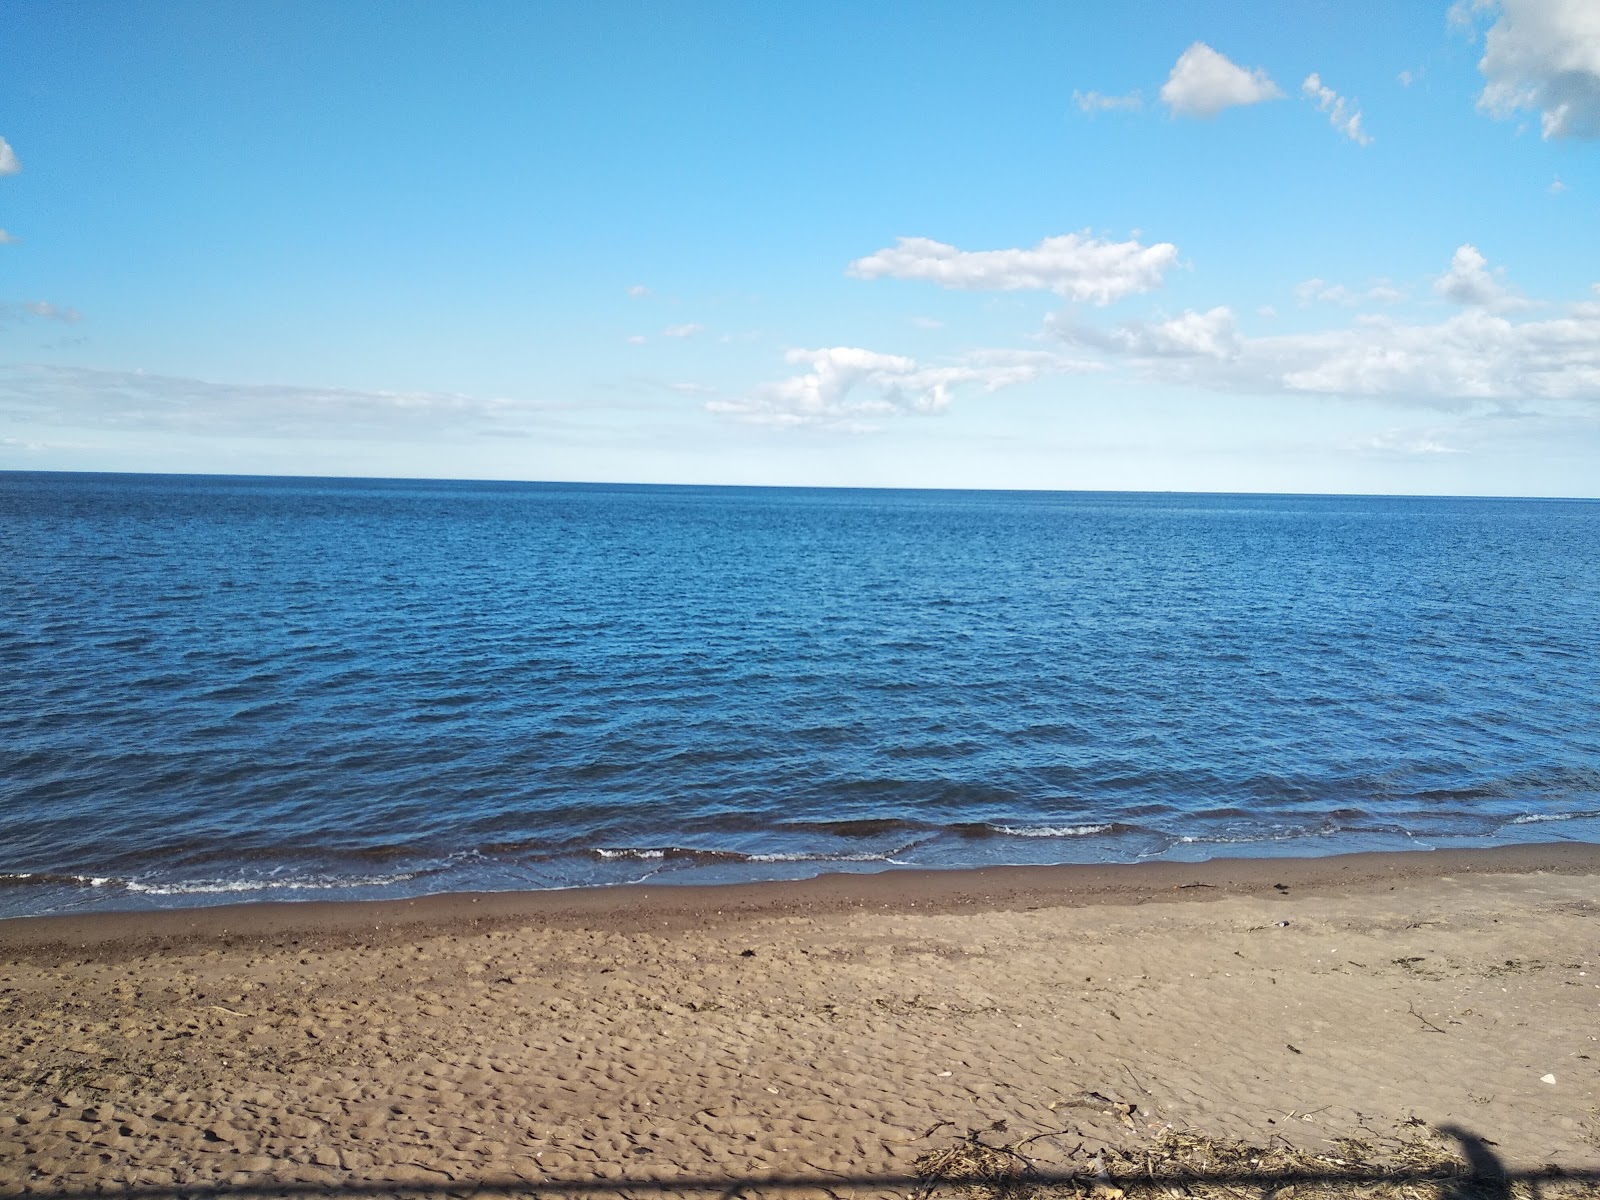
[{"x": 219, "y": 689}]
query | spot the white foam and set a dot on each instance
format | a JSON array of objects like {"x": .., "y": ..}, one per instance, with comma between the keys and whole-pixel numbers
[
  {"x": 778, "y": 858},
  {"x": 1190, "y": 839},
  {"x": 228, "y": 886},
  {"x": 1539, "y": 818},
  {"x": 631, "y": 853},
  {"x": 1052, "y": 831}
]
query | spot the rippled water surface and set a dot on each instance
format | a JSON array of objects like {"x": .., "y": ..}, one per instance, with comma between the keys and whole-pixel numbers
[{"x": 233, "y": 688}]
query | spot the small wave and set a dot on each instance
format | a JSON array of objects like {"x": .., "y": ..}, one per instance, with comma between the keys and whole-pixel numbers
[
  {"x": 804, "y": 857},
  {"x": 1457, "y": 795},
  {"x": 379, "y": 853},
  {"x": 46, "y": 878},
  {"x": 536, "y": 848},
  {"x": 1539, "y": 818},
  {"x": 862, "y": 828},
  {"x": 1053, "y": 831}
]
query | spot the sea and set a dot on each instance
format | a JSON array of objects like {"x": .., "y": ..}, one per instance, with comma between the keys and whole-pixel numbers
[{"x": 221, "y": 689}]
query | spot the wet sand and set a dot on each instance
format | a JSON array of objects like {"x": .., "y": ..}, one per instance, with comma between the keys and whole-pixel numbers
[{"x": 817, "y": 1028}]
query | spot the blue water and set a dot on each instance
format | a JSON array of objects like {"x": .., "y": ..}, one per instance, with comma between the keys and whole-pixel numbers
[{"x": 216, "y": 689}]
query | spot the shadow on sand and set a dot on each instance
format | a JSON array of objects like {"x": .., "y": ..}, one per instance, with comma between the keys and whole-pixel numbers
[{"x": 1479, "y": 1174}]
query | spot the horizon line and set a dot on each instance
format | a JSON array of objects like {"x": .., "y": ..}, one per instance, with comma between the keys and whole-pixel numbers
[{"x": 816, "y": 487}]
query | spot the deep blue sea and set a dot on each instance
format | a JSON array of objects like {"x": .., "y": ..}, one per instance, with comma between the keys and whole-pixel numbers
[{"x": 218, "y": 689}]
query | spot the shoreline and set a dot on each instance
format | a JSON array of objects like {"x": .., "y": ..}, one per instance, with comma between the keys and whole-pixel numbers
[
  {"x": 629, "y": 908},
  {"x": 660, "y": 1036}
]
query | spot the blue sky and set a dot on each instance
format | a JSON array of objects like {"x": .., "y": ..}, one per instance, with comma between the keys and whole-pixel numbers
[{"x": 1222, "y": 247}]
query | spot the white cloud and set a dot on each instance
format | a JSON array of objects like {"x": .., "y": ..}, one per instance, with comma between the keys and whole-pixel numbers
[
  {"x": 1407, "y": 78},
  {"x": 927, "y": 322},
  {"x": 1542, "y": 56},
  {"x": 1475, "y": 356},
  {"x": 86, "y": 397},
  {"x": 1556, "y": 188},
  {"x": 682, "y": 331},
  {"x": 1192, "y": 335},
  {"x": 851, "y": 389},
  {"x": 1469, "y": 282},
  {"x": 1093, "y": 102},
  {"x": 1203, "y": 83},
  {"x": 8, "y": 159},
  {"x": 636, "y": 339},
  {"x": 638, "y": 291},
  {"x": 6, "y": 239},
  {"x": 1342, "y": 115},
  {"x": 1077, "y": 266}
]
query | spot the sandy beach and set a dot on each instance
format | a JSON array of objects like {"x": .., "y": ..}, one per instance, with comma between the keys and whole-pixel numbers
[{"x": 630, "y": 1038}]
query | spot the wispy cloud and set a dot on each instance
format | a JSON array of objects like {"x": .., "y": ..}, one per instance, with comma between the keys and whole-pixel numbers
[
  {"x": 1314, "y": 290},
  {"x": 85, "y": 397},
  {"x": 1408, "y": 443},
  {"x": 1204, "y": 82},
  {"x": 1077, "y": 266},
  {"x": 6, "y": 239},
  {"x": 42, "y": 310},
  {"x": 687, "y": 330},
  {"x": 1342, "y": 114},
  {"x": 1318, "y": 290},
  {"x": 39, "y": 445},
  {"x": 8, "y": 159},
  {"x": 1462, "y": 16},
  {"x": 1093, "y": 102},
  {"x": 638, "y": 291}
]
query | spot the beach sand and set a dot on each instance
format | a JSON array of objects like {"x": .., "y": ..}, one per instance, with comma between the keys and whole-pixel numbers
[{"x": 815, "y": 1029}]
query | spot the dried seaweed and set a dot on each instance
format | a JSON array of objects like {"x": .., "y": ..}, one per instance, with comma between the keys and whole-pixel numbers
[
  {"x": 978, "y": 1168},
  {"x": 1415, "y": 1165}
]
